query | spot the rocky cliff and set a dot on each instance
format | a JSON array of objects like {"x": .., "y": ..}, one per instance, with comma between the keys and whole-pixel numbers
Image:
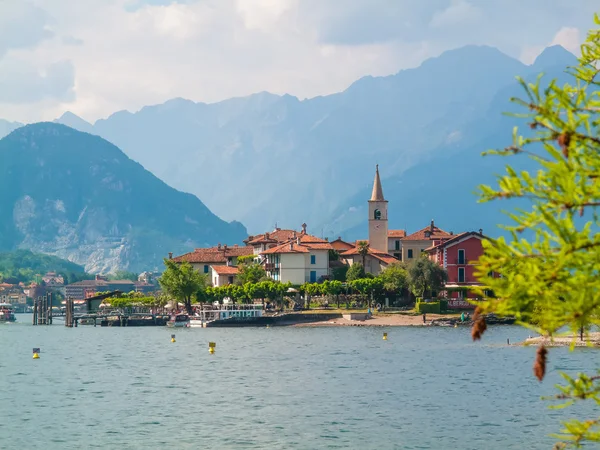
[{"x": 77, "y": 196}]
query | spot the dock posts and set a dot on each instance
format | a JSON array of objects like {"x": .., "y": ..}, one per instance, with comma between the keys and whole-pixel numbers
[
  {"x": 34, "y": 312},
  {"x": 69, "y": 313},
  {"x": 50, "y": 309}
]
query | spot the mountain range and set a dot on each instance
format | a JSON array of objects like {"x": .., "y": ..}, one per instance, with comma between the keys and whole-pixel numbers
[
  {"x": 76, "y": 196},
  {"x": 268, "y": 159}
]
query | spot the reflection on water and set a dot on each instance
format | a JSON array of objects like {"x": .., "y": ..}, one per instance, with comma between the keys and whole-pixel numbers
[{"x": 292, "y": 388}]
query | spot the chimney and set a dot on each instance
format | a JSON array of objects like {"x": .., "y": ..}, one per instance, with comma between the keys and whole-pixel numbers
[
  {"x": 267, "y": 235},
  {"x": 431, "y": 226},
  {"x": 292, "y": 245},
  {"x": 481, "y": 231},
  {"x": 219, "y": 246},
  {"x": 225, "y": 247},
  {"x": 452, "y": 233},
  {"x": 327, "y": 239},
  {"x": 170, "y": 255},
  {"x": 298, "y": 240},
  {"x": 303, "y": 228},
  {"x": 294, "y": 235}
]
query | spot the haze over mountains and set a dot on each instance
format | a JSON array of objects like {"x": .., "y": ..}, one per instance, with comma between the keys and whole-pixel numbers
[
  {"x": 76, "y": 196},
  {"x": 266, "y": 159}
]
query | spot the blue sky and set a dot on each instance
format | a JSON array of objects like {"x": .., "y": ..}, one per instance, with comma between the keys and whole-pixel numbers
[{"x": 95, "y": 57}]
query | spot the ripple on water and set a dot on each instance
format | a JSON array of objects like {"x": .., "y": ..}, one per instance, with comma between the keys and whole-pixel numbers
[{"x": 290, "y": 388}]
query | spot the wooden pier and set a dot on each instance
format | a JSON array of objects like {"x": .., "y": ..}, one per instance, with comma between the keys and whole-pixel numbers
[{"x": 42, "y": 310}]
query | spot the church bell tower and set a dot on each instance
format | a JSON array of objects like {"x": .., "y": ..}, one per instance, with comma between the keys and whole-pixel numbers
[{"x": 378, "y": 217}]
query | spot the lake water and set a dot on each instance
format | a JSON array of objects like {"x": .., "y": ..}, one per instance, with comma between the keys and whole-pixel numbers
[{"x": 275, "y": 388}]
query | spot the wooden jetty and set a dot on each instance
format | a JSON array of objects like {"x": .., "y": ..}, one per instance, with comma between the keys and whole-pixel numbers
[{"x": 42, "y": 310}]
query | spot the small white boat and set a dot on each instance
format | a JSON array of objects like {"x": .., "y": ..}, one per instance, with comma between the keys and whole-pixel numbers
[
  {"x": 7, "y": 313},
  {"x": 179, "y": 321}
]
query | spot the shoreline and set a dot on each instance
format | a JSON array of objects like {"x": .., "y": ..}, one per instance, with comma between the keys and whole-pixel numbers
[
  {"x": 589, "y": 340},
  {"x": 391, "y": 320}
]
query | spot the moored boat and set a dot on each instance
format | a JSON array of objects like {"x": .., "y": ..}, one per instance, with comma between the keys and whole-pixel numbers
[
  {"x": 6, "y": 313},
  {"x": 179, "y": 321}
]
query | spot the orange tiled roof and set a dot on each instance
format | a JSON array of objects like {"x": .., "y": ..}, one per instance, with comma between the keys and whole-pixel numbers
[
  {"x": 226, "y": 270},
  {"x": 341, "y": 243},
  {"x": 430, "y": 233},
  {"x": 310, "y": 239},
  {"x": 397, "y": 233},
  {"x": 214, "y": 254}
]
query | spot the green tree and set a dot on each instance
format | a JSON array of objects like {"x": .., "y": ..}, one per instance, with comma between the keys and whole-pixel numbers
[
  {"x": 552, "y": 272},
  {"x": 311, "y": 290},
  {"x": 369, "y": 288},
  {"x": 425, "y": 276},
  {"x": 245, "y": 259},
  {"x": 394, "y": 278},
  {"x": 332, "y": 289},
  {"x": 124, "y": 275},
  {"x": 355, "y": 272},
  {"x": 340, "y": 273},
  {"x": 363, "y": 251},
  {"x": 182, "y": 282},
  {"x": 251, "y": 273}
]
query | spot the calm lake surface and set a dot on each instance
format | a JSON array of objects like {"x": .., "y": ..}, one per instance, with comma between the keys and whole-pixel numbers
[{"x": 275, "y": 388}]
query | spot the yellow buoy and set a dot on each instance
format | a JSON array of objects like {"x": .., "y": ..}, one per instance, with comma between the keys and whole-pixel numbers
[
  {"x": 36, "y": 353},
  {"x": 211, "y": 350},
  {"x": 385, "y": 336},
  {"x": 172, "y": 338},
  {"x": 211, "y": 347}
]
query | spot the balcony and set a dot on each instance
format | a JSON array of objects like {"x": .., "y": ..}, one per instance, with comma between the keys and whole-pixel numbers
[
  {"x": 461, "y": 261},
  {"x": 271, "y": 267}
]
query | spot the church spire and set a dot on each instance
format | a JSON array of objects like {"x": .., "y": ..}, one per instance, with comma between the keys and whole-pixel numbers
[{"x": 377, "y": 194}]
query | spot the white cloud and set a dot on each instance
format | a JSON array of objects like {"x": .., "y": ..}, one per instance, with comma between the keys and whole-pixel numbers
[
  {"x": 569, "y": 38},
  {"x": 458, "y": 13},
  {"x": 131, "y": 53}
]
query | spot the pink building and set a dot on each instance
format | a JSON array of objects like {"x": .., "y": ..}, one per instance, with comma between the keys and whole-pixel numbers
[{"x": 459, "y": 256}]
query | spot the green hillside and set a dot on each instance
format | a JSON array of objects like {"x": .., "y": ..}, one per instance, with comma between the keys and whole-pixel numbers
[{"x": 24, "y": 265}]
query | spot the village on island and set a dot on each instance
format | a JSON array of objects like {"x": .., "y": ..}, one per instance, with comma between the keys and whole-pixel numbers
[{"x": 426, "y": 271}]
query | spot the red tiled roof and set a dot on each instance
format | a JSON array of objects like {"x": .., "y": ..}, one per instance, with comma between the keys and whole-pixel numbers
[
  {"x": 293, "y": 247},
  {"x": 397, "y": 233},
  {"x": 385, "y": 258},
  {"x": 274, "y": 236},
  {"x": 430, "y": 233},
  {"x": 226, "y": 270},
  {"x": 288, "y": 247},
  {"x": 382, "y": 256},
  {"x": 319, "y": 246},
  {"x": 455, "y": 240},
  {"x": 214, "y": 254}
]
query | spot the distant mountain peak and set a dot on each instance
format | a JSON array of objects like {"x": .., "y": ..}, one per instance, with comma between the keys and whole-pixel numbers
[
  {"x": 74, "y": 121},
  {"x": 79, "y": 197},
  {"x": 555, "y": 55}
]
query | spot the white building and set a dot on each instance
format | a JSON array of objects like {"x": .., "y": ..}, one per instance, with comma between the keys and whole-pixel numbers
[
  {"x": 223, "y": 275},
  {"x": 304, "y": 259}
]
